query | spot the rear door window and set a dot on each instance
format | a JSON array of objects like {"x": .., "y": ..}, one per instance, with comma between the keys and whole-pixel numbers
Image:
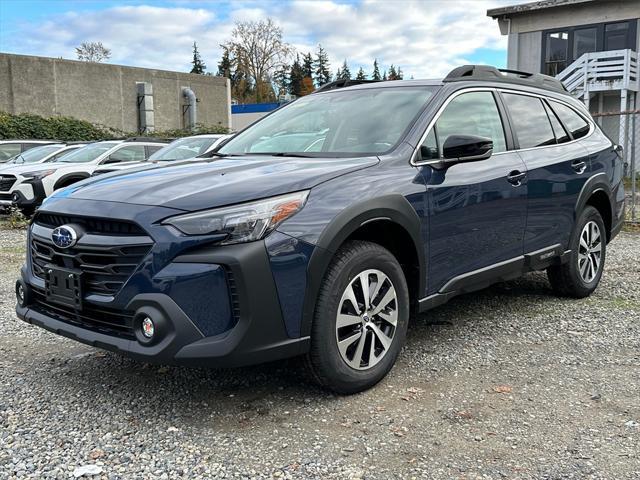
[
  {"x": 529, "y": 120},
  {"x": 561, "y": 134},
  {"x": 575, "y": 124}
]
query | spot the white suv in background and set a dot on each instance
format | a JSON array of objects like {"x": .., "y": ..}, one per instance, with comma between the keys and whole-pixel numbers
[
  {"x": 180, "y": 149},
  {"x": 11, "y": 148},
  {"x": 29, "y": 185},
  {"x": 42, "y": 154}
]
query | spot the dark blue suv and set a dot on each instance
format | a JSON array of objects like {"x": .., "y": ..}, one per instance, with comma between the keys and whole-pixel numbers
[{"x": 318, "y": 230}]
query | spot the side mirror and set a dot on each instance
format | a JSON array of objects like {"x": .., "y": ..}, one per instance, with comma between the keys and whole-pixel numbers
[{"x": 466, "y": 148}]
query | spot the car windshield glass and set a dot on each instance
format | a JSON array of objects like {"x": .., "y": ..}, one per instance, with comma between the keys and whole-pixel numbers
[
  {"x": 88, "y": 153},
  {"x": 184, "y": 148},
  {"x": 36, "y": 154},
  {"x": 340, "y": 123}
]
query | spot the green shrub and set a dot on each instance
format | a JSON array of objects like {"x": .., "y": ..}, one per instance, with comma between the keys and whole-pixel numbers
[{"x": 29, "y": 126}]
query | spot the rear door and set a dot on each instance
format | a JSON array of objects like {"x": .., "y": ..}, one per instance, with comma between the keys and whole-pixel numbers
[
  {"x": 557, "y": 168},
  {"x": 476, "y": 210}
]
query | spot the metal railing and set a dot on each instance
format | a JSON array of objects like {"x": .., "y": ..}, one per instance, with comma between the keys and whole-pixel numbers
[
  {"x": 610, "y": 122},
  {"x": 601, "y": 71}
]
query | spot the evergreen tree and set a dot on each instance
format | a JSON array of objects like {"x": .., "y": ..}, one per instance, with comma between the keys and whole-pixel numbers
[
  {"x": 384, "y": 76},
  {"x": 281, "y": 81},
  {"x": 323, "y": 74},
  {"x": 400, "y": 75},
  {"x": 198, "y": 65},
  {"x": 345, "y": 73},
  {"x": 393, "y": 75},
  {"x": 224, "y": 66},
  {"x": 376, "y": 71},
  {"x": 307, "y": 65},
  {"x": 338, "y": 74},
  {"x": 296, "y": 76},
  {"x": 361, "y": 75}
]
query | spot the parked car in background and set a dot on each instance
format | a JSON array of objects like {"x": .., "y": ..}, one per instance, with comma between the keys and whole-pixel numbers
[
  {"x": 181, "y": 149},
  {"x": 11, "y": 148},
  {"x": 29, "y": 185},
  {"x": 42, "y": 154},
  {"x": 404, "y": 195}
]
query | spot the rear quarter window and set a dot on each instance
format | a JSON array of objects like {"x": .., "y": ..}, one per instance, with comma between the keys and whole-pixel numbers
[{"x": 573, "y": 122}]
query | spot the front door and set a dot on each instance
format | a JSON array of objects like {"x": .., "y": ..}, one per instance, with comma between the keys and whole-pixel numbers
[{"x": 476, "y": 210}]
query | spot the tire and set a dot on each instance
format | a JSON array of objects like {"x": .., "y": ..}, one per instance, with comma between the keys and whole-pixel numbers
[
  {"x": 361, "y": 361},
  {"x": 579, "y": 277}
]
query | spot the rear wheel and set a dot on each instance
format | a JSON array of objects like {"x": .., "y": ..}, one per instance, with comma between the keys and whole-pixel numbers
[
  {"x": 580, "y": 276},
  {"x": 360, "y": 320}
]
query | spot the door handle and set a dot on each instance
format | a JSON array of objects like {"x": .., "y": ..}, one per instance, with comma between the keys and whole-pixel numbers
[
  {"x": 579, "y": 166},
  {"x": 515, "y": 177}
]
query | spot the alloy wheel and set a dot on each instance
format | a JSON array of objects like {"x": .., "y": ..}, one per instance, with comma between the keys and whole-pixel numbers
[
  {"x": 590, "y": 252},
  {"x": 367, "y": 319}
]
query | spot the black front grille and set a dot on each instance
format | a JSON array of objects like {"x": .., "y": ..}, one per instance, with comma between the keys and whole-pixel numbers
[
  {"x": 6, "y": 182},
  {"x": 99, "y": 226},
  {"x": 111, "y": 322},
  {"x": 105, "y": 269},
  {"x": 6, "y": 196}
]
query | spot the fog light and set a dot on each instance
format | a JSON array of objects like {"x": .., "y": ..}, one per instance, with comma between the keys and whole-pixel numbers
[
  {"x": 22, "y": 294},
  {"x": 15, "y": 197},
  {"x": 148, "y": 329}
]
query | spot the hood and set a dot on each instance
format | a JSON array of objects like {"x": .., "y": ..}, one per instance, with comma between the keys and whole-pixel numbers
[{"x": 217, "y": 182}]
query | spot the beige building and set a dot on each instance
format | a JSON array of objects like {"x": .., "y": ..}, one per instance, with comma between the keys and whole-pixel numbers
[{"x": 126, "y": 98}]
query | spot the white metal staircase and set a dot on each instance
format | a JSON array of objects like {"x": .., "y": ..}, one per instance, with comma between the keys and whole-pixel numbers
[{"x": 601, "y": 71}]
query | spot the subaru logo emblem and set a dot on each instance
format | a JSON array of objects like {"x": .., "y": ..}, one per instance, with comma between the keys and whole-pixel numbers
[{"x": 64, "y": 237}]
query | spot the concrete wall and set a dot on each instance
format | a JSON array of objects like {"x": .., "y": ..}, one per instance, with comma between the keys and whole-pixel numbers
[
  {"x": 107, "y": 94},
  {"x": 524, "y": 51}
]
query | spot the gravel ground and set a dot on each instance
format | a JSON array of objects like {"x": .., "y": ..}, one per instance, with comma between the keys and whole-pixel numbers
[{"x": 510, "y": 382}]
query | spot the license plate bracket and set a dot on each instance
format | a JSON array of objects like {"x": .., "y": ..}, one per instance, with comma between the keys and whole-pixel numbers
[{"x": 63, "y": 286}]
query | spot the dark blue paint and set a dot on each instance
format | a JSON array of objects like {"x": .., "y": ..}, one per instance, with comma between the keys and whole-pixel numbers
[
  {"x": 289, "y": 258},
  {"x": 200, "y": 290},
  {"x": 254, "y": 107}
]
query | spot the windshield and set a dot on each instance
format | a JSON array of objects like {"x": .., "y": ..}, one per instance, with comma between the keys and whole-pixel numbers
[
  {"x": 36, "y": 154},
  {"x": 88, "y": 153},
  {"x": 184, "y": 148},
  {"x": 339, "y": 123}
]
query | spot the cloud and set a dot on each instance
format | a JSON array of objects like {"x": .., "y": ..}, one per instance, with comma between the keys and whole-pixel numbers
[{"x": 425, "y": 38}]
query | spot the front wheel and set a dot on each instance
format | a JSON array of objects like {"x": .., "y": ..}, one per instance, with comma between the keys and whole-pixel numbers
[
  {"x": 580, "y": 276},
  {"x": 361, "y": 318}
]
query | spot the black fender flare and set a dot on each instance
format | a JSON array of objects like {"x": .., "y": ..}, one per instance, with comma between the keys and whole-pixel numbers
[
  {"x": 70, "y": 176},
  {"x": 394, "y": 208},
  {"x": 597, "y": 183}
]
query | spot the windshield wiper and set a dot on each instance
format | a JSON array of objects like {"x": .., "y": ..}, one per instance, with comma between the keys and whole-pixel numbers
[
  {"x": 285, "y": 154},
  {"x": 218, "y": 154}
]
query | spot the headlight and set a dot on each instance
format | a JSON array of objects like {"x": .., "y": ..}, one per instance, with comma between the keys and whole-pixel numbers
[
  {"x": 245, "y": 222},
  {"x": 37, "y": 175}
]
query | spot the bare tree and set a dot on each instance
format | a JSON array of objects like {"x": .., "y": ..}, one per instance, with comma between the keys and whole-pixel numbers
[
  {"x": 93, "y": 52},
  {"x": 260, "y": 46}
]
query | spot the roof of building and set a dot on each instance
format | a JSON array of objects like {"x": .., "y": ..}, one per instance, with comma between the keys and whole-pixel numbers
[{"x": 531, "y": 6}]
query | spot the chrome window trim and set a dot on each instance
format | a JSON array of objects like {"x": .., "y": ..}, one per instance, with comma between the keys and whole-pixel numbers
[{"x": 500, "y": 90}]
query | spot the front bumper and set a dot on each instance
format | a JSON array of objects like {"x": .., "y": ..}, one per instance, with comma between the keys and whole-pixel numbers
[{"x": 258, "y": 335}]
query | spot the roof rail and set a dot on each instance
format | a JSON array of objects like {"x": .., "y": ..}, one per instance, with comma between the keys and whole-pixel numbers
[
  {"x": 342, "y": 83},
  {"x": 493, "y": 74},
  {"x": 149, "y": 139}
]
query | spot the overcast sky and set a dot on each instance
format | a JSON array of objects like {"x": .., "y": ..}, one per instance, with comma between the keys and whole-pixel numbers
[{"x": 425, "y": 38}]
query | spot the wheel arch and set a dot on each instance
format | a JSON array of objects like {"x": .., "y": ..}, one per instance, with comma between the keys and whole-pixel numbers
[
  {"x": 69, "y": 179},
  {"x": 395, "y": 215},
  {"x": 596, "y": 192}
]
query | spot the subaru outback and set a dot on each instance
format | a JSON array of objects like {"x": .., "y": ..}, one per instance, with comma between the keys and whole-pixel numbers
[{"x": 319, "y": 230}]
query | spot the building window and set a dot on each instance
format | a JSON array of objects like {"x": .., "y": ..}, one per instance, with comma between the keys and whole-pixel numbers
[
  {"x": 556, "y": 55},
  {"x": 616, "y": 36},
  {"x": 584, "y": 41}
]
